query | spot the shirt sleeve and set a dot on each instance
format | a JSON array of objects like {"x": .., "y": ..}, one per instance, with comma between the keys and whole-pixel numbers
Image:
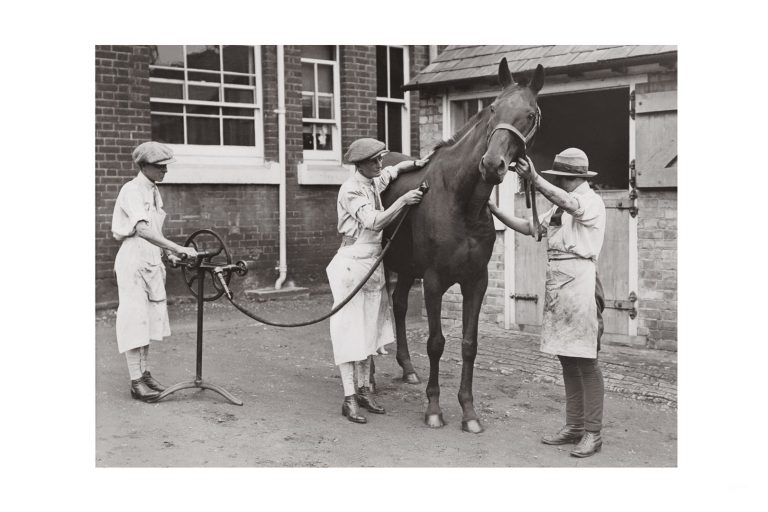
[
  {"x": 357, "y": 204},
  {"x": 589, "y": 211},
  {"x": 131, "y": 203},
  {"x": 388, "y": 174},
  {"x": 547, "y": 216}
]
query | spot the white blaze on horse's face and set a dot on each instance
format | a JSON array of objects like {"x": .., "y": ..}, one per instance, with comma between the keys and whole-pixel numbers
[{"x": 513, "y": 118}]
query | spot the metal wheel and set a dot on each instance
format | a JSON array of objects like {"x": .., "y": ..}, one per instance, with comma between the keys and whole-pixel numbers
[{"x": 218, "y": 255}]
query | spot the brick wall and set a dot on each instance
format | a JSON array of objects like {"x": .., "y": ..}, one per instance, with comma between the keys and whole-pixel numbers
[
  {"x": 657, "y": 265},
  {"x": 430, "y": 122},
  {"x": 419, "y": 59},
  {"x": 122, "y": 122}
]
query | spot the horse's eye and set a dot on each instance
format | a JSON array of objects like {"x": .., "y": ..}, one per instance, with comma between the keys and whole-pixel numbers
[{"x": 531, "y": 115}]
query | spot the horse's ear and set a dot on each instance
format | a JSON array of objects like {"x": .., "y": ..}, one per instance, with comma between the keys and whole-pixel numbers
[
  {"x": 538, "y": 79},
  {"x": 505, "y": 77}
]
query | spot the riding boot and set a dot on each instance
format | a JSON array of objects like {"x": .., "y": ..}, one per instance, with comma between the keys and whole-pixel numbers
[
  {"x": 567, "y": 434},
  {"x": 350, "y": 410},
  {"x": 140, "y": 391},
  {"x": 589, "y": 445},
  {"x": 365, "y": 399},
  {"x": 151, "y": 382}
]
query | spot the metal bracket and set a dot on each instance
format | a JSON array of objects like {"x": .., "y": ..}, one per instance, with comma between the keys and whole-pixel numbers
[
  {"x": 524, "y": 296},
  {"x": 632, "y": 104},
  {"x": 624, "y": 305}
]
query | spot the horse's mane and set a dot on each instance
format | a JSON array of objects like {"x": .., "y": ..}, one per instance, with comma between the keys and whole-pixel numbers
[{"x": 471, "y": 123}]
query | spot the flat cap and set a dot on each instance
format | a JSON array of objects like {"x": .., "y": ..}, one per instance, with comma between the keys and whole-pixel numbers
[
  {"x": 363, "y": 149},
  {"x": 153, "y": 153}
]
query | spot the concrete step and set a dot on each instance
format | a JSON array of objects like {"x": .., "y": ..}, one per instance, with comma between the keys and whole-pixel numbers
[{"x": 289, "y": 293}]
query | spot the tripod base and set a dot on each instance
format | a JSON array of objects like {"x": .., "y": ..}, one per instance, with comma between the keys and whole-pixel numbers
[{"x": 201, "y": 385}]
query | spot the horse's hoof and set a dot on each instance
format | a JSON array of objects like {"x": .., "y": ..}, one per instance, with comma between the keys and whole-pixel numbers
[
  {"x": 472, "y": 426},
  {"x": 434, "y": 420},
  {"x": 411, "y": 378}
]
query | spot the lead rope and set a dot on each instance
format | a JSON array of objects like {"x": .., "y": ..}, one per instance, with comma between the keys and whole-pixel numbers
[{"x": 336, "y": 309}]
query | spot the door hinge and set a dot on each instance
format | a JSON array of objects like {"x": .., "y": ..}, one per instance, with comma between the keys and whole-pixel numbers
[
  {"x": 632, "y": 104},
  {"x": 524, "y": 296},
  {"x": 624, "y": 305}
]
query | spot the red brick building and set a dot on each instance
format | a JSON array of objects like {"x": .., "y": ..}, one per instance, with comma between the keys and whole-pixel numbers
[
  {"x": 219, "y": 107},
  {"x": 619, "y": 104}
]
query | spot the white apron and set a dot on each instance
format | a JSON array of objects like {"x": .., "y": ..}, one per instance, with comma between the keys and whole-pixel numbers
[
  {"x": 142, "y": 314},
  {"x": 365, "y": 323},
  {"x": 570, "y": 314}
]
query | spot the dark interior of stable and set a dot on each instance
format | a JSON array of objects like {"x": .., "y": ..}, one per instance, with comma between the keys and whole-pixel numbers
[{"x": 596, "y": 122}]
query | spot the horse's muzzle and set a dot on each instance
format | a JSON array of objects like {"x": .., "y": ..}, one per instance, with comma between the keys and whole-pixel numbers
[{"x": 493, "y": 172}]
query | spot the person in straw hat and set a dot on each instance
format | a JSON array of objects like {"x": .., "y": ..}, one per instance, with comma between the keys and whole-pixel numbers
[
  {"x": 573, "y": 303},
  {"x": 137, "y": 223},
  {"x": 364, "y": 325}
]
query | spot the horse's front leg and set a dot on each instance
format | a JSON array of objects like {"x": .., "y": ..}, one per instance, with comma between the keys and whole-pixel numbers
[
  {"x": 433, "y": 300},
  {"x": 399, "y": 309},
  {"x": 472, "y": 291}
]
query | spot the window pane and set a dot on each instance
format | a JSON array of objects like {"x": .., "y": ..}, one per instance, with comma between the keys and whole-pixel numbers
[
  {"x": 238, "y": 58},
  {"x": 165, "y": 107},
  {"x": 168, "y": 129},
  {"x": 203, "y": 130},
  {"x": 198, "y": 76},
  {"x": 395, "y": 127},
  {"x": 308, "y": 137},
  {"x": 199, "y": 109},
  {"x": 167, "y": 55},
  {"x": 166, "y": 90},
  {"x": 239, "y": 132},
  {"x": 239, "y": 79},
  {"x": 327, "y": 52},
  {"x": 323, "y": 139},
  {"x": 381, "y": 72},
  {"x": 175, "y": 74},
  {"x": 324, "y": 78},
  {"x": 201, "y": 93},
  {"x": 307, "y": 106},
  {"x": 242, "y": 112},
  {"x": 486, "y": 101},
  {"x": 238, "y": 95},
  {"x": 203, "y": 57},
  {"x": 325, "y": 107},
  {"x": 381, "y": 127},
  {"x": 395, "y": 72},
  {"x": 308, "y": 77},
  {"x": 472, "y": 108}
]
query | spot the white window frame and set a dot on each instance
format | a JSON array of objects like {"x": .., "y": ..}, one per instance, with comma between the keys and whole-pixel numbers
[
  {"x": 405, "y": 118},
  {"x": 334, "y": 155},
  {"x": 222, "y": 164}
]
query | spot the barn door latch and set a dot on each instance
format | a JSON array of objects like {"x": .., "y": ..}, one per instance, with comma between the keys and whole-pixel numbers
[
  {"x": 624, "y": 305},
  {"x": 524, "y": 296},
  {"x": 631, "y": 202}
]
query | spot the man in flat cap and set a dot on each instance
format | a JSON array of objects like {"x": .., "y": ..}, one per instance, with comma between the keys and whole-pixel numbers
[
  {"x": 137, "y": 222},
  {"x": 363, "y": 326},
  {"x": 573, "y": 303}
]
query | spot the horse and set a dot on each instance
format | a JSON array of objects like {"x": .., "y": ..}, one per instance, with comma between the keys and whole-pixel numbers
[{"x": 449, "y": 237}]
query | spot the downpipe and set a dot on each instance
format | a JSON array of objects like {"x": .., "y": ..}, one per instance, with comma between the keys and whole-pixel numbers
[{"x": 283, "y": 265}]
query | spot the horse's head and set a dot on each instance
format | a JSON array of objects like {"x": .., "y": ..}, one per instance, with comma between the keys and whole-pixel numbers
[{"x": 513, "y": 121}]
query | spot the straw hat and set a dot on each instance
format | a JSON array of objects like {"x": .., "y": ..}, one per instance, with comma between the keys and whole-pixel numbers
[{"x": 571, "y": 162}]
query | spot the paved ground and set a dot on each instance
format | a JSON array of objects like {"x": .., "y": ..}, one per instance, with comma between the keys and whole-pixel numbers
[{"x": 292, "y": 394}]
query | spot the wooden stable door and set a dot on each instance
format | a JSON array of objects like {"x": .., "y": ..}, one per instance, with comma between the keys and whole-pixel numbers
[{"x": 613, "y": 266}]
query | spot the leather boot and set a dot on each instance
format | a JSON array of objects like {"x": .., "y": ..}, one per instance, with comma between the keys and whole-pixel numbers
[
  {"x": 589, "y": 445},
  {"x": 151, "y": 382},
  {"x": 140, "y": 391},
  {"x": 365, "y": 399},
  {"x": 350, "y": 410},
  {"x": 567, "y": 434}
]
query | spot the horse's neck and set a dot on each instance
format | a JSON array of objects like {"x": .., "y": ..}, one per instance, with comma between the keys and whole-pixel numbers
[{"x": 462, "y": 174}]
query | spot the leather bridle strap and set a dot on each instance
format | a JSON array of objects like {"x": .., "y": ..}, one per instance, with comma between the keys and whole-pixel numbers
[{"x": 530, "y": 188}]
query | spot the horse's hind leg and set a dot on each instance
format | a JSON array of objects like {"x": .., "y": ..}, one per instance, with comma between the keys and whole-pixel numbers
[
  {"x": 473, "y": 292},
  {"x": 433, "y": 298},
  {"x": 399, "y": 309}
]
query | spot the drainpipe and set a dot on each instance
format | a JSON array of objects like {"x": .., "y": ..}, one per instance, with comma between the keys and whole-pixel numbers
[{"x": 283, "y": 265}]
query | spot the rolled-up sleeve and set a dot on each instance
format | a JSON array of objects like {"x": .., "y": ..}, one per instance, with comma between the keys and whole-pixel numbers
[
  {"x": 129, "y": 210},
  {"x": 357, "y": 204},
  {"x": 589, "y": 210},
  {"x": 388, "y": 174}
]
